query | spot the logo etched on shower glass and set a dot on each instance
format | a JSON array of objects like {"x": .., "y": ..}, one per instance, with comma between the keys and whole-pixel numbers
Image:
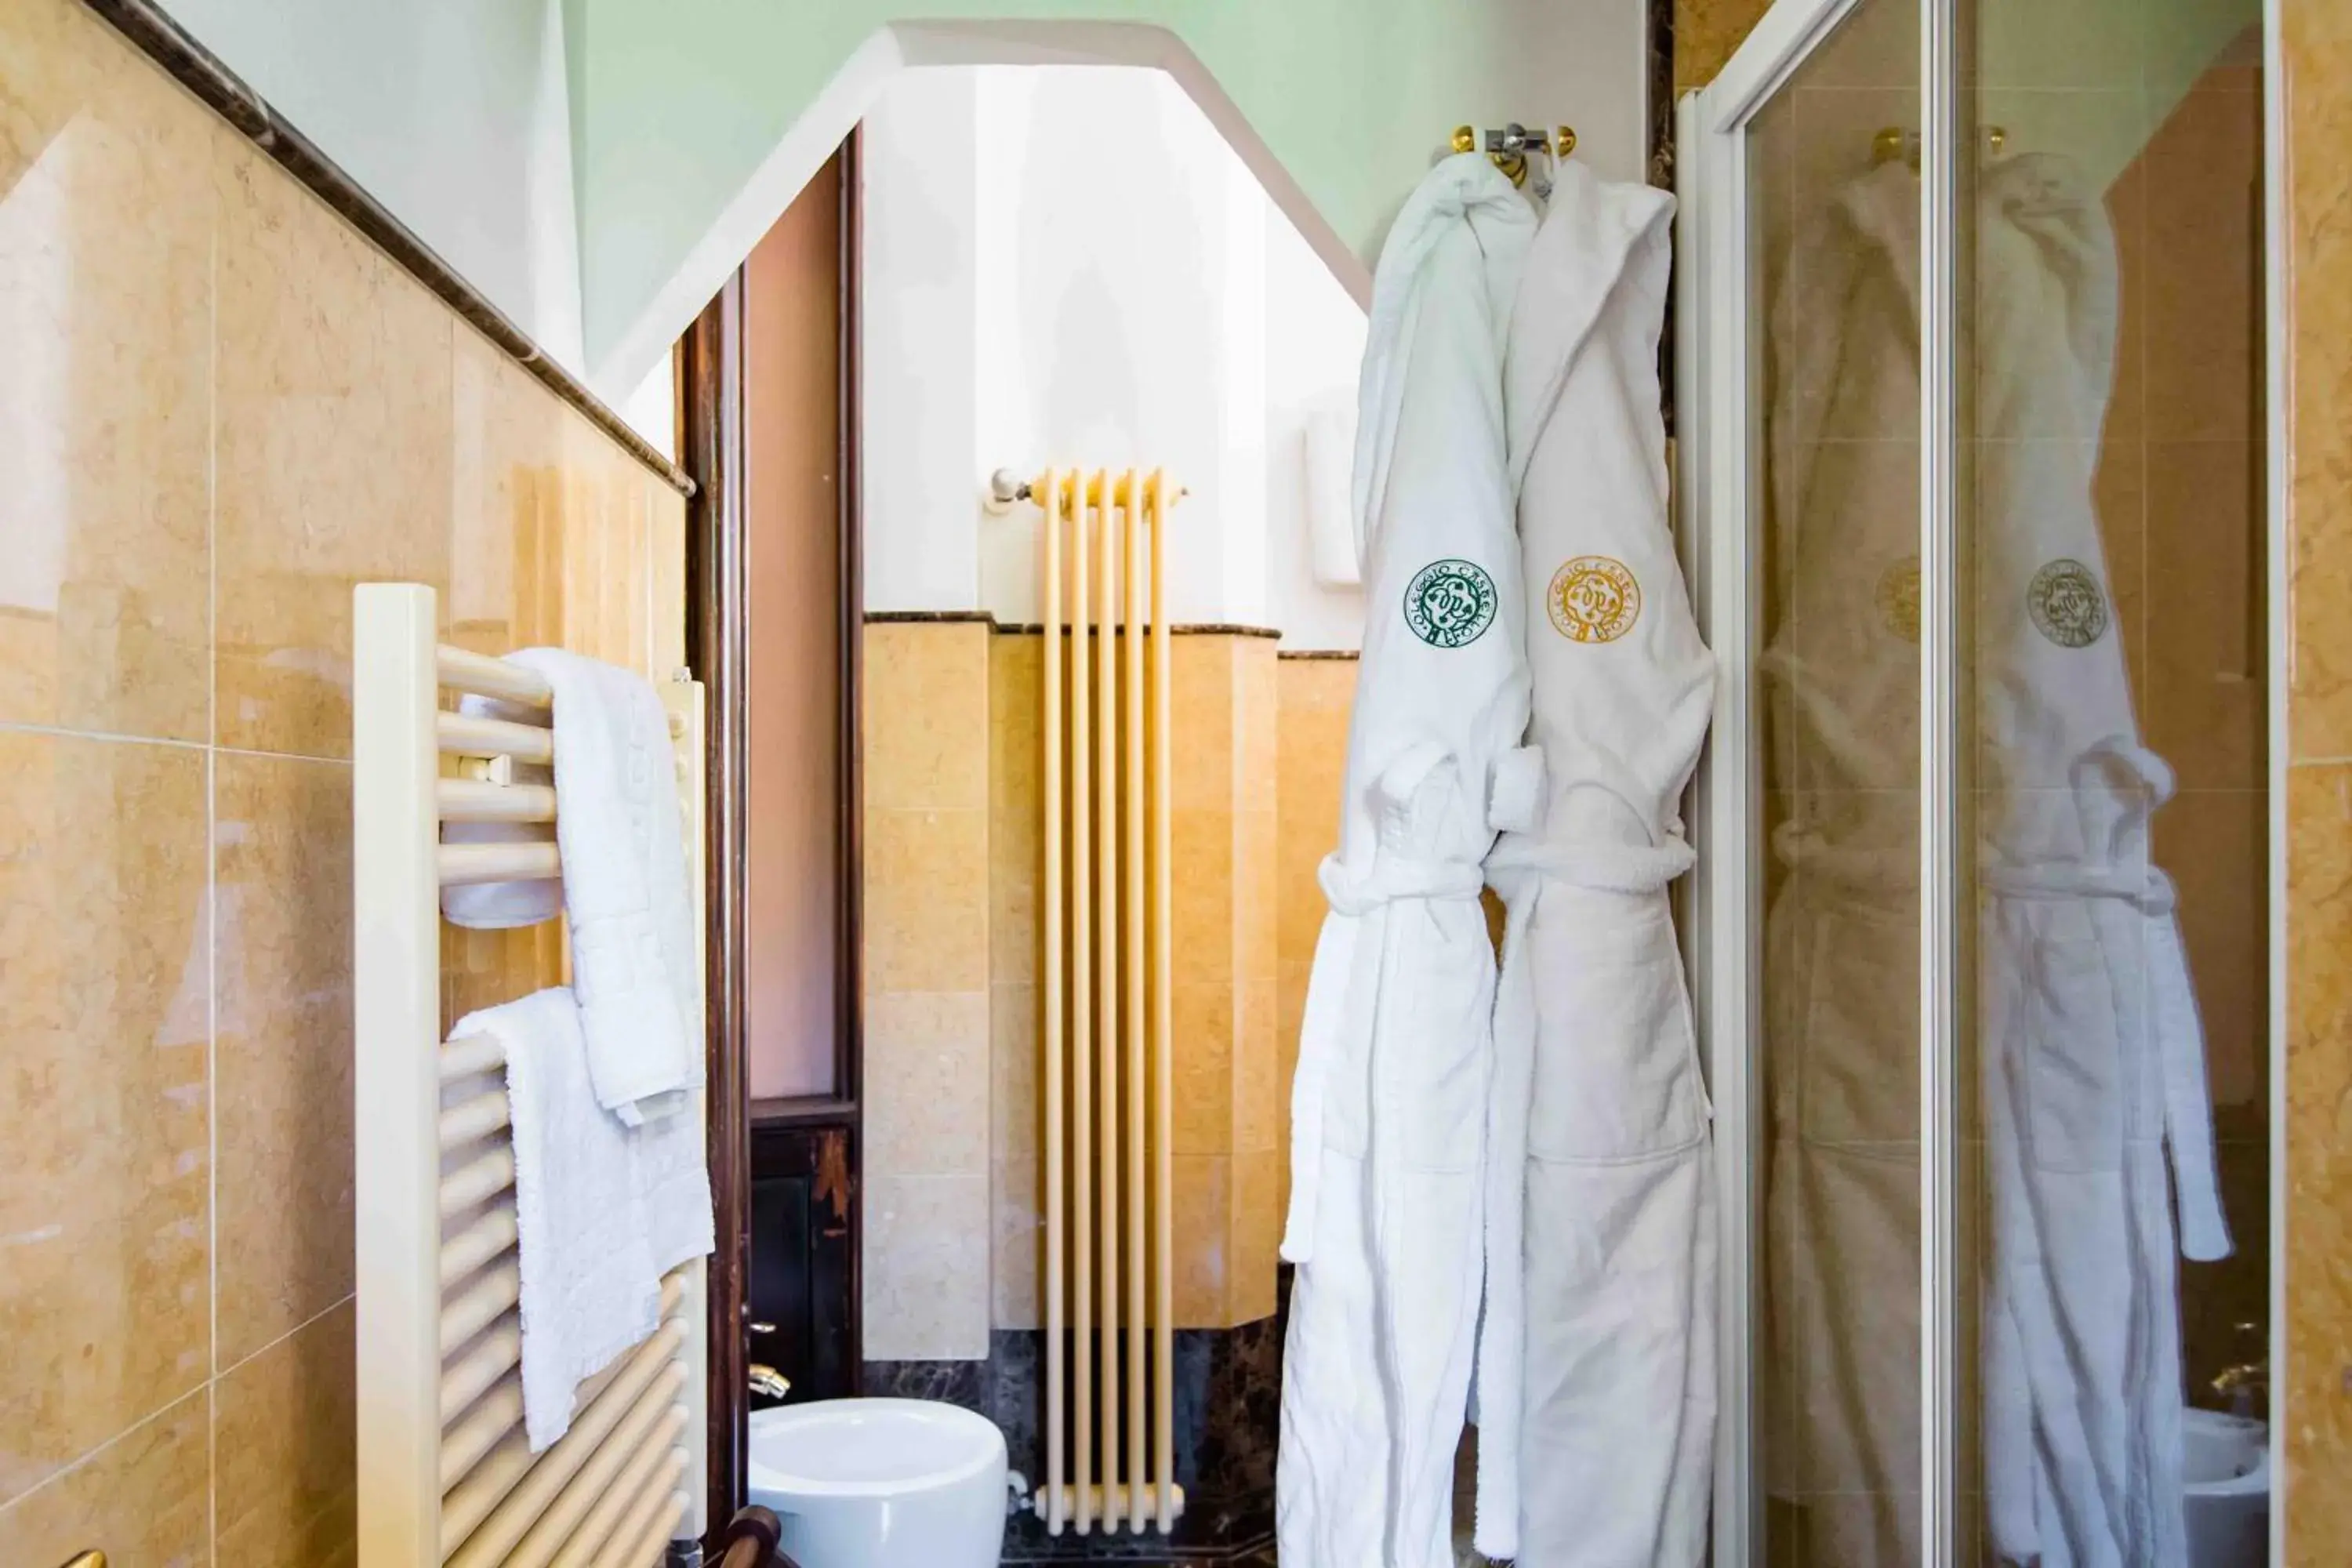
[
  {"x": 1450, "y": 604},
  {"x": 1594, "y": 598},
  {"x": 2068, "y": 606}
]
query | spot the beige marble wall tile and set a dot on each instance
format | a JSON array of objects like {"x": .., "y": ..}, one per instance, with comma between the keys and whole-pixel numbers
[
  {"x": 1261, "y": 1111},
  {"x": 1018, "y": 1256},
  {"x": 927, "y": 723},
  {"x": 1015, "y": 806},
  {"x": 1257, "y": 720},
  {"x": 1201, "y": 936},
  {"x": 105, "y": 242},
  {"x": 104, "y": 1025},
  {"x": 1016, "y": 1107},
  {"x": 2316, "y": 44},
  {"x": 285, "y": 1493},
  {"x": 1201, "y": 713},
  {"x": 1257, "y": 1234},
  {"x": 1706, "y": 32},
  {"x": 1256, "y": 838},
  {"x": 2209, "y": 667},
  {"x": 1203, "y": 1014},
  {"x": 2319, "y": 1159},
  {"x": 927, "y": 1278},
  {"x": 926, "y": 914},
  {"x": 665, "y": 576},
  {"x": 1203, "y": 1240},
  {"x": 927, "y": 1071},
  {"x": 144, "y": 1497},
  {"x": 282, "y": 964},
  {"x": 332, "y": 462}
]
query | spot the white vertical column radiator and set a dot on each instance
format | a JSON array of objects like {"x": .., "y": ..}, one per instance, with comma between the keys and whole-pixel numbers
[
  {"x": 446, "y": 1476},
  {"x": 1104, "y": 1005}
]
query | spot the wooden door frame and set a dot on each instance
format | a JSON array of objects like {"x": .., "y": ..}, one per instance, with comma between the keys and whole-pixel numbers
[{"x": 713, "y": 445}]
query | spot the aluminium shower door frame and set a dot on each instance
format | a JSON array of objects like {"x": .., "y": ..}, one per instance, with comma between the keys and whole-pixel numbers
[{"x": 1718, "y": 478}]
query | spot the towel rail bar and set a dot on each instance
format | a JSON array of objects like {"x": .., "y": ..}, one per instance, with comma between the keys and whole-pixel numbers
[
  {"x": 477, "y": 800},
  {"x": 461, "y": 670},
  {"x": 477, "y": 1118},
  {"x": 465, "y": 865},
  {"x": 461, "y": 734},
  {"x": 488, "y": 1235},
  {"x": 493, "y": 1293},
  {"x": 480, "y": 1429}
]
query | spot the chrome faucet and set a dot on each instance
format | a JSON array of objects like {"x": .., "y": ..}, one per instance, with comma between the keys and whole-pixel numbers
[{"x": 766, "y": 1380}]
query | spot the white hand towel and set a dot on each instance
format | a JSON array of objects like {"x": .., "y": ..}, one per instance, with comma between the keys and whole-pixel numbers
[
  {"x": 500, "y": 905},
  {"x": 590, "y": 1286},
  {"x": 624, "y": 883}
]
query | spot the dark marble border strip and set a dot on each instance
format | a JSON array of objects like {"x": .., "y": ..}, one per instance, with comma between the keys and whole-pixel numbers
[
  {"x": 203, "y": 73},
  {"x": 1346, "y": 653},
  {"x": 921, "y": 617}
]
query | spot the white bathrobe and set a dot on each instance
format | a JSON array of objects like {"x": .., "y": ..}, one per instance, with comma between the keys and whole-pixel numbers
[
  {"x": 2089, "y": 1050},
  {"x": 1388, "y": 1118},
  {"x": 1596, "y": 1383}
]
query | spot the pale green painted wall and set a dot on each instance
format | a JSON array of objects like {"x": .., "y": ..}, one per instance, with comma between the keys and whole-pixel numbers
[{"x": 677, "y": 102}]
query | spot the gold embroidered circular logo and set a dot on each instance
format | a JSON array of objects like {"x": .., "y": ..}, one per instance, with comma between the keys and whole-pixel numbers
[
  {"x": 2067, "y": 604},
  {"x": 1898, "y": 598},
  {"x": 1594, "y": 598}
]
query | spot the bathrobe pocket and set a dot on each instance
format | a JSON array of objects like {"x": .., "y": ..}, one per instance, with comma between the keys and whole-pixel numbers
[{"x": 1616, "y": 1061}]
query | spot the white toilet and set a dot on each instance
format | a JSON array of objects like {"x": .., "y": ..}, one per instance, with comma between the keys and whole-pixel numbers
[
  {"x": 2226, "y": 1466},
  {"x": 881, "y": 1483}
]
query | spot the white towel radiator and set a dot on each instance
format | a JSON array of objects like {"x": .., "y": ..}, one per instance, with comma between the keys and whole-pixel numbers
[{"x": 446, "y": 1476}]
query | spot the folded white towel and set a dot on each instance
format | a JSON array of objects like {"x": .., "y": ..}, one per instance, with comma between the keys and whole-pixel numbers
[
  {"x": 499, "y": 906},
  {"x": 624, "y": 884},
  {"x": 590, "y": 1287}
]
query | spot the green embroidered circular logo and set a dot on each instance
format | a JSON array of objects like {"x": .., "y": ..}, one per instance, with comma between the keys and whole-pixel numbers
[
  {"x": 2067, "y": 604},
  {"x": 1449, "y": 603}
]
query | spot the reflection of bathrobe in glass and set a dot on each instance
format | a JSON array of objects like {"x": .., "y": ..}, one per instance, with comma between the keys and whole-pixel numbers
[
  {"x": 1387, "y": 1111},
  {"x": 1841, "y": 935},
  {"x": 2088, "y": 1046},
  {"x": 1596, "y": 1375},
  {"x": 2091, "y": 1051}
]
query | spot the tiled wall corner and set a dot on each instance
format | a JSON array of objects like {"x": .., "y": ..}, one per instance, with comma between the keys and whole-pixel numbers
[
  {"x": 2311, "y": 1401},
  {"x": 251, "y": 411},
  {"x": 929, "y": 1068}
]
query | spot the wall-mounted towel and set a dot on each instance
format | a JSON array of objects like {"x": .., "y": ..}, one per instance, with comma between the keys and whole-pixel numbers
[
  {"x": 601, "y": 1211},
  {"x": 624, "y": 883}
]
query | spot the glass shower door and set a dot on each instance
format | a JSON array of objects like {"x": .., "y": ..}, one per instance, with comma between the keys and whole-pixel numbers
[{"x": 1974, "y": 449}]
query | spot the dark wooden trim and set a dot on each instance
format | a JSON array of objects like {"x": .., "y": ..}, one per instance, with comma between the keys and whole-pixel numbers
[
  {"x": 850, "y": 991},
  {"x": 804, "y": 1110},
  {"x": 1347, "y": 653},
  {"x": 226, "y": 94},
  {"x": 713, "y": 444}
]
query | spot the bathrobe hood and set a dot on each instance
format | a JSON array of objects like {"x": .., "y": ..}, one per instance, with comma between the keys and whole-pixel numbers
[
  {"x": 1389, "y": 1101},
  {"x": 1596, "y": 1362}
]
